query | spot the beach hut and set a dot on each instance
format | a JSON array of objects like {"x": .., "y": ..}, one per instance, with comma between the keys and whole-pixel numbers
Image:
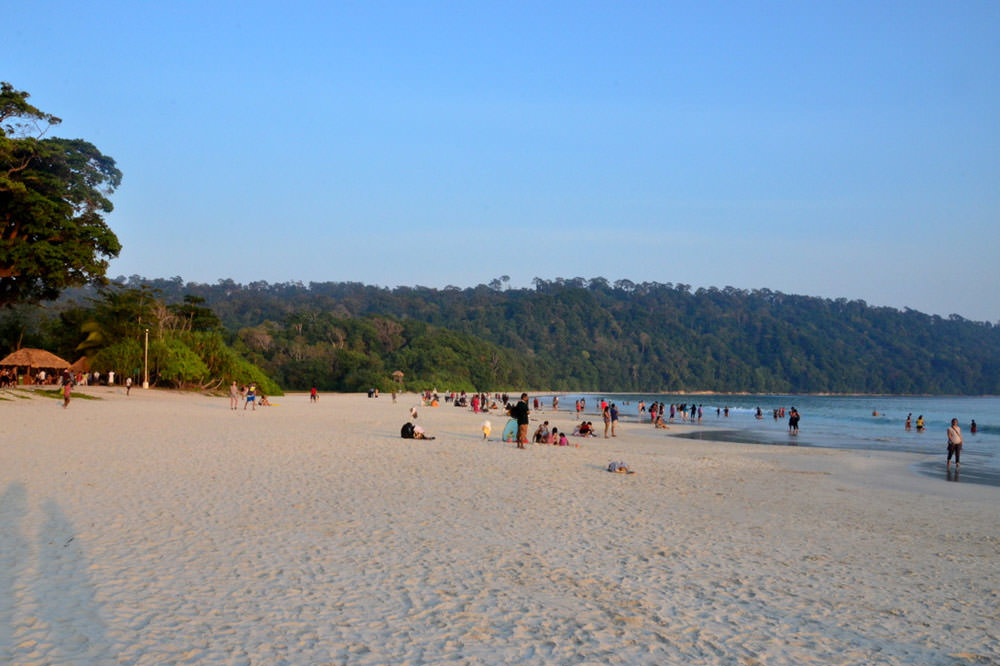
[
  {"x": 81, "y": 365},
  {"x": 398, "y": 377},
  {"x": 33, "y": 360}
]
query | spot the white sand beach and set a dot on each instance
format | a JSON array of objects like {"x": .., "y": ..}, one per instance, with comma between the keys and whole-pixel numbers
[{"x": 165, "y": 528}]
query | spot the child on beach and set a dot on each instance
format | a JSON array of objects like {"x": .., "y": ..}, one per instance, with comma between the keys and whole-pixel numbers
[{"x": 251, "y": 398}]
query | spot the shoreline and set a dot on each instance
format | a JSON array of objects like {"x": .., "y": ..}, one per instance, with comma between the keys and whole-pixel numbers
[{"x": 164, "y": 527}]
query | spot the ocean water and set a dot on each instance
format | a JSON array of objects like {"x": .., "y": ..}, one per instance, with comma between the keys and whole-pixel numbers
[{"x": 843, "y": 422}]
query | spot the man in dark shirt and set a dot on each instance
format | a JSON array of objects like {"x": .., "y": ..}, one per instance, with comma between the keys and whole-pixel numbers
[{"x": 519, "y": 412}]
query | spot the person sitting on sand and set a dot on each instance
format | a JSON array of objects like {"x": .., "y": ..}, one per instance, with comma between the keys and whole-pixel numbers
[
  {"x": 264, "y": 402},
  {"x": 660, "y": 423},
  {"x": 541, "y": 435},
  {"x": 619, "y": 467},
  {"x": 487, "y": 427},
  {"x": 418, "y": 433},
  {"x": 563, "y": 441}
]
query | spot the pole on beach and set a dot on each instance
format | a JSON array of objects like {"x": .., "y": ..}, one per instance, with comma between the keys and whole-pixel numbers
[{"x": 145, "y": 363}]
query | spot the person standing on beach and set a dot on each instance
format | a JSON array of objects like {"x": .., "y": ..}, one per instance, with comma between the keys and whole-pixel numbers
[
  {"x": 314, "y": 395},
  {"x": 251, "y": 398},
  {"x": 520, "y": 412},
  {"x": 68, "y": 389},
  {"x": 128, "y": 385},
  {"x": 234, "y": 395},
  {"x": 614, "y": 418},
  {"x": 954, "y": 443},
  {"x": 793, "y": 421}
]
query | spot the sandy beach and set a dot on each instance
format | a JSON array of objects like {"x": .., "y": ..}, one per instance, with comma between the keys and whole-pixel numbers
[{"x": 165, "y": 528}]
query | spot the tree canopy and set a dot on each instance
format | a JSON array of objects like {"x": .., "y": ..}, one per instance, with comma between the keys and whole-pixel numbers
[
  {"x": 596, "y": 335},
  {"x": 53, "y": 201}
]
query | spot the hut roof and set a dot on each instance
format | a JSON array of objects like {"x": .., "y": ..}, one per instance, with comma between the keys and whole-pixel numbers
[
  {"x": 34, "y": 358},
  {"x": 80, "y": 365}
]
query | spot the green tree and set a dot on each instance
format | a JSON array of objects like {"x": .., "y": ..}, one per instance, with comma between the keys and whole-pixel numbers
[{"x": 53, "y": 199}]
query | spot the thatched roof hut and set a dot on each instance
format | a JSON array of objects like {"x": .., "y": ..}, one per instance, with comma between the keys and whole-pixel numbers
[
  {"x": 80, "y": 365},
  {"x": 32, "y": 359}
]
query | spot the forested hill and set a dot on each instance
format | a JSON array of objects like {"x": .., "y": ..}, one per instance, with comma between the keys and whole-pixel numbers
[{"x": 594, "y": 335}]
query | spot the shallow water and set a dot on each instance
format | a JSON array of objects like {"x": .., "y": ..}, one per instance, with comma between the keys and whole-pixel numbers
[{"x": 843, "y": 422}]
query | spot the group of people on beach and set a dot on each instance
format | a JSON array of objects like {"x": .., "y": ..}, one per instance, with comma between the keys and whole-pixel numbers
[
  {"x": 249, "y": 394},
  {"x": 658, "y": 412},
  {"x": 545, "y": 435}
]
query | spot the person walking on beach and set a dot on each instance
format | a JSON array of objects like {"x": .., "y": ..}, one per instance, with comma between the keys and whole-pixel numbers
[
  {"x": 520, "y": 412},
  {"x": 314, "y": 395},
  {"x": 128, "y": 385},
  {"x": 954, "y": 443},
  {"x": 793, "y": 421},
  {"x": 67, "y": 390}
]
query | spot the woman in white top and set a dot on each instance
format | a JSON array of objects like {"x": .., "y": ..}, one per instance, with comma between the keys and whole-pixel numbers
[{"x": 954, "y": 442}]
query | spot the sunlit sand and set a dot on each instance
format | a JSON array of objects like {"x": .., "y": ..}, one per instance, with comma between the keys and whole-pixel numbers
[{"x": 165, "y": 528}]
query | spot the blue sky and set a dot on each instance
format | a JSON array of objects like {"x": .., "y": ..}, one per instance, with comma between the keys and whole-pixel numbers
[{"x": 837, "y": 149}]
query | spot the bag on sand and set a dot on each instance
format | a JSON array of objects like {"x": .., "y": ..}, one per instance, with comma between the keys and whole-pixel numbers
[{"x": 406, "y": 432}]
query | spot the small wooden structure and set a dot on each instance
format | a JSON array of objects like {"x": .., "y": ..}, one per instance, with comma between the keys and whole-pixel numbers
[
  {"x": 33, "y": 360},
  {"x": 81, "y": 365},
  {"x": 398, "y": 377}
]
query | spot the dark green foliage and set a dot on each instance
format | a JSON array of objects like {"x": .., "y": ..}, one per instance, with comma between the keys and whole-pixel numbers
[
  {"x": 353, "y": 354},
  {"x": 123, "y": 356},
  {"x": 592, "y": 335},
  {"x": 53, "y": 199}
]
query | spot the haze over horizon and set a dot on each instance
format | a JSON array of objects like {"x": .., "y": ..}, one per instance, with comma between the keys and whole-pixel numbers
[{"x": 832, "y": 149}]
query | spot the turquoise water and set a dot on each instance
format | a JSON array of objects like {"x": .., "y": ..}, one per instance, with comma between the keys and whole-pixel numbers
[{"x": 842, "y": 422}]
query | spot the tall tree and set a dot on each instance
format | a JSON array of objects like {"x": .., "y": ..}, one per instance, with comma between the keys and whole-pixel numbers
[{"x": 53, "y": 200}]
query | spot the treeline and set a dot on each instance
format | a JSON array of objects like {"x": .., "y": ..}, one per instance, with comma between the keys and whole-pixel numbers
[
  {"x": 595, "y": 335},
  {"x": 132, "y": 331}
]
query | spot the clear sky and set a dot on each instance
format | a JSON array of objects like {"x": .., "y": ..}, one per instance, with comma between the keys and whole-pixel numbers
[{"x": 837, "y": 149}]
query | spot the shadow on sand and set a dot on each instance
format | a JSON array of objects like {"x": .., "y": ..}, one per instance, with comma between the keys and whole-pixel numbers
[{"x": 48, "y": 612}]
